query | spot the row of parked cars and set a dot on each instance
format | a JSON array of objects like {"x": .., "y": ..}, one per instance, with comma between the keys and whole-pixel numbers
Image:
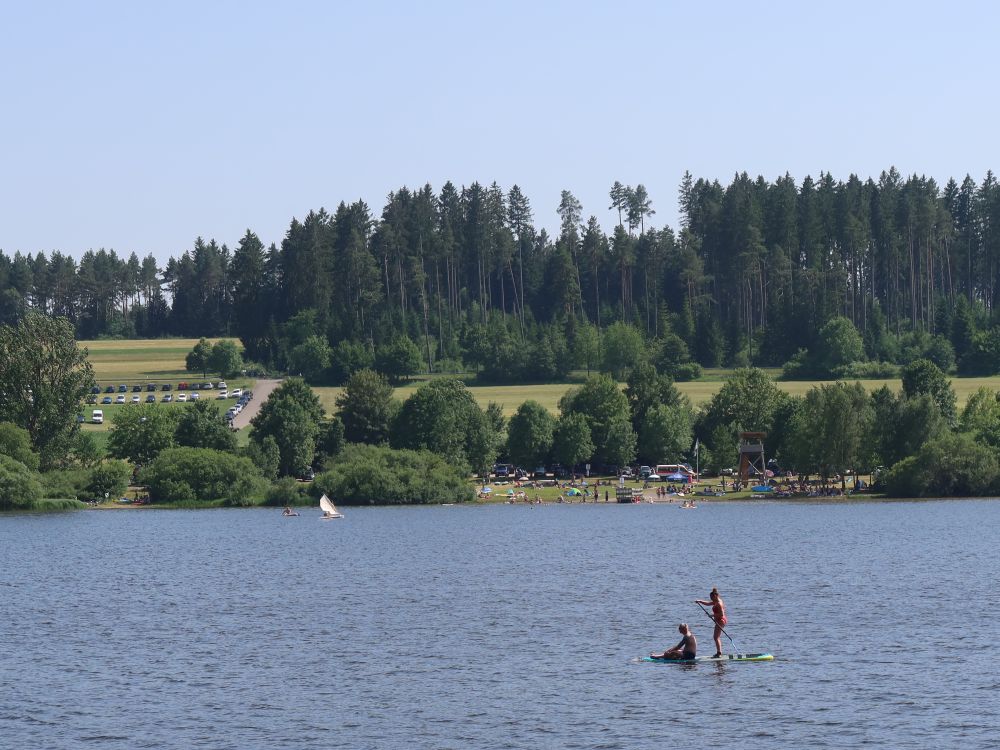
[
  {"x": 242, "y": 399},
  {"x": 151, "y": 388}
]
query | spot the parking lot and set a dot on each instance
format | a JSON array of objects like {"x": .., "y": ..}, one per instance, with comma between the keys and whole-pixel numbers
[{"x": 114, "y": 396}]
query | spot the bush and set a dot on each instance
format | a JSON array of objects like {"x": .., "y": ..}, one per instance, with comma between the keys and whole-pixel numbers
[
  {"x": 687, "y": 371},
  {"x": 284, "y": 492},
  {"x": 953, "y": 465},
  {"x": 202, "y": 474},
  {"x": 867, "y": 371},
  {"x": 372, "y": 475},
  {"x": 19, "y": 485},
  {"x": 69, "y": 484},
  {"x": 16, "y": 443},
  {"x": 108, "y": 480}
]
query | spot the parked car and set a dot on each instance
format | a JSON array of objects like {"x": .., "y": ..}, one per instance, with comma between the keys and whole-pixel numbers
[
  {"x": 645, "y": 471},
  {"x": 182, "y": 386},
  {"x": 80, "y": 419},
  {"x": 222, "y": 386},
  {"x": 194, "y": 396},
  {"x": 123, "y": 388},
  {"x": 167, "y": 398},
  {"x": 109, "y": 389},
  {"x": 235, "y": 393},
  {"x": 150, "y": 386},
  {"x": 91, "y": 399},
  {"x": 151, "y": 399},
  {"x": 182, "y": 397},
  {"x": 222, "y": 395},
  {"x": 207, "y": 386},
  {"x": 136, "y": 399},
  {"x": 166, "y": 387},
  {"x": 107, "y": 400},
  {"x": 120, "y": 398},
  {"x": 96, "y": 389},
  {"x": 136, "y": 388},
  {"x": 726, "y": 472},
  {"x": 97, "y": 416}
]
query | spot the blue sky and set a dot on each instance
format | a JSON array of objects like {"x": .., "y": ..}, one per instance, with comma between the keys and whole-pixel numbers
[{"x": 138, "y": 127}]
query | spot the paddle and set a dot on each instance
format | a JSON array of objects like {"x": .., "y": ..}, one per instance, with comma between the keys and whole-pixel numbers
[{"x": 719, "y": 626}]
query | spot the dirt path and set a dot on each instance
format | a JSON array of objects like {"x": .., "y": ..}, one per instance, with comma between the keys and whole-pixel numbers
[{"x": 261, "y": 391}]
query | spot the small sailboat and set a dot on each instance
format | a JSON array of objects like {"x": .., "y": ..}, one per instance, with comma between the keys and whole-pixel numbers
[{"x": 329, "y": 509}]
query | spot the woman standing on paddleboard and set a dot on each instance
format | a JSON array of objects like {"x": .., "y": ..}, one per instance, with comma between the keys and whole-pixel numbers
[{"x": 718, "y": 615}]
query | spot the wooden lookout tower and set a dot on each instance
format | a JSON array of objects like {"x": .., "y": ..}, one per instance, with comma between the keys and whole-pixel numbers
[{"x": 752, "y": 461}]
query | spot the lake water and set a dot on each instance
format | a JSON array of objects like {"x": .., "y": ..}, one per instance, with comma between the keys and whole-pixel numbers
[{"x": 500, "y": 627}]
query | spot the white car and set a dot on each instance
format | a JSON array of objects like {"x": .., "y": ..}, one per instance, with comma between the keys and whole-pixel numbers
[
  {"x": 222, "y": 395},
  {"x": 195, "y": 396},
  {"x": 222, "y": 385},
  {"x": 182, "y": 397},
  {"x": 236, "y": 393},
  {"x": 136, "y": 399},
  {"x": 97, "y": 416},
  {"x": 120, "y": 398}
]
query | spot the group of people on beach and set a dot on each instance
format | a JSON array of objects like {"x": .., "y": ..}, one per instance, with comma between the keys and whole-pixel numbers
[{"x": 687, "y": 648}]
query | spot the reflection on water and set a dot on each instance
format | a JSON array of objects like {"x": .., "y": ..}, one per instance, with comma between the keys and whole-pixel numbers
[{"x": 498, "y": 626}]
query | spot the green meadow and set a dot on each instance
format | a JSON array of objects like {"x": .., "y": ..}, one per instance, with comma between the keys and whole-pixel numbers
[{"x": 162, "y": 360}]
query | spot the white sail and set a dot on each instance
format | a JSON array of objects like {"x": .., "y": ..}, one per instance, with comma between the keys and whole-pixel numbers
[{"x": 329, "y": 509}]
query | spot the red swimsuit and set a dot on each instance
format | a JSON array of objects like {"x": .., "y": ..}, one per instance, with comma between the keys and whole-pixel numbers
[{"x": 719, "y": 614}]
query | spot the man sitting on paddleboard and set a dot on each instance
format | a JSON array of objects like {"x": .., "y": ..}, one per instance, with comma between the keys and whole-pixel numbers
[{"x": 686, "y": 649}]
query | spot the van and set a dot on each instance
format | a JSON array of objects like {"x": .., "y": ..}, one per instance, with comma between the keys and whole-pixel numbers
[{"x": 97, "y": 416}]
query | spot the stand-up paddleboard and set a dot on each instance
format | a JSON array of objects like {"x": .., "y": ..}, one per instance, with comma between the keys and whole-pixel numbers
[{"x": 723, "y": 658}]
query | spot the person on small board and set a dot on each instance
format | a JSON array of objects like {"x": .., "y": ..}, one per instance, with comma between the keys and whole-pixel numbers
[
  {"x": 718, "y": 616},
  {"x": 686, "y": 649}
]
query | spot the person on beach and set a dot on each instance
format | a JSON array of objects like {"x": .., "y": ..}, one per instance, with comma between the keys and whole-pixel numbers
[
  {"x": 718, "y": 615},
  {"x": 686, "y": 649}
]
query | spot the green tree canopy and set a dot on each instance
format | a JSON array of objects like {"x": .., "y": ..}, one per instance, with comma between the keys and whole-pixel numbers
[
  {"x": 200, "y": 425},
  {"x": 443, "y": 417},
  {"x": 226, "y": 358},
  {"x": 367, "y": 408},
  {"x": 310, "y": 359},
  {"x": 571, "y": 442},
  {"x": 622, "y": 348},
  {"x": 198, "y": 359},
  {"x": 828, "y": 430},
  {"x": 839, "y": 344},
  {"x": 923, "y": 377},
  {"x": 665, "y": 435},
  {"x": 43, "y": 379},
  {"x": 140, "y": 431},
  {"x": 108, "y": 480},
  {"x": 602, "y": 404},
  {"x": 16, "y": 443},
  {"x": 529, "y": 435},
  {"x": 399, "y": 359},
  {"x": 19, "y": 485},
  {"x": 749, "y": 401},
  {"x": 291, "y": 416}
]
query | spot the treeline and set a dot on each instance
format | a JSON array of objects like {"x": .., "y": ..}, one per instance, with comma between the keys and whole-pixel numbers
[{"x": 462, "y": 278}]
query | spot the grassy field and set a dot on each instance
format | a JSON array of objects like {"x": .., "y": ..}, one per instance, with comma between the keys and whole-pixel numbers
[
  {"x": 139, "y": 361},
  {"x": 162, "y": 360},
  {"x": 699, "y": 391}
]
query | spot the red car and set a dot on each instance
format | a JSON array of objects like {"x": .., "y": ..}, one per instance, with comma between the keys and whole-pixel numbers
[{"x": 182, "y": 386}]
